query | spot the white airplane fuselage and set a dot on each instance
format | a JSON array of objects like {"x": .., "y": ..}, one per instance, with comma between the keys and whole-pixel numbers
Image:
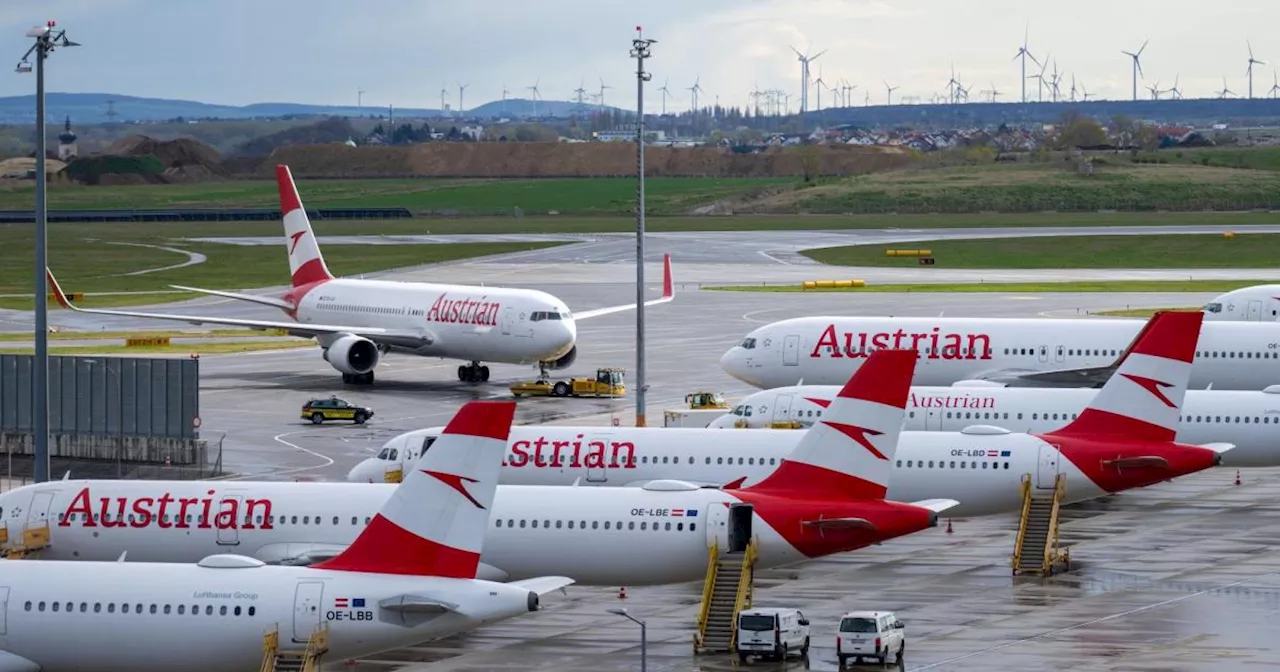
[
  {"x": 826, "y": 350},
  {"x": 983, "y": 472},
  {"x": 1259, "y": 303},
  {"x": 600, "y": 536},
  {"x": 1248, "y": 419},
  {"x": 490, "y": 324},
  {"x": 134, "y": 617}
]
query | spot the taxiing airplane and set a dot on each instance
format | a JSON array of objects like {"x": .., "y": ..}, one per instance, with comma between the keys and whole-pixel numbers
[
  {"x": 1123, "y": 440},
  {"x": 407, "y": 577},
  {"x": 1259, "y": 303},
  {"x": 1248, "y": 420},
  {"x": 826, "y": 496},
  {"x": 356, "y": 321},
  {"x": 1015, "y": 352}
]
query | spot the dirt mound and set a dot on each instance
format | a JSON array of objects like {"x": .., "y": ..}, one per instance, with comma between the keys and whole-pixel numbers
[
  {"x": 19, "y": 166},
  {"x": 186, "y": 156},
  {"x": 550, "y": 159}
]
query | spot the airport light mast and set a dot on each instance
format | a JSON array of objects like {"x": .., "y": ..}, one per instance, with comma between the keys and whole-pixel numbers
[
  {"x": 47, "y": 38},
  {"x": 640, "y": 51}
]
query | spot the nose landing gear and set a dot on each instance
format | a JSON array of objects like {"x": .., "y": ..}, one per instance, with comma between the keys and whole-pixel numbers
[{"x": 473, "y": 373}]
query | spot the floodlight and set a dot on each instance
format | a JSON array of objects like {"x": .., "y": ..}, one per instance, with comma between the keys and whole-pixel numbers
[
  {"x": 23, "y": 67},
  {"x": 38, "y": 31}
]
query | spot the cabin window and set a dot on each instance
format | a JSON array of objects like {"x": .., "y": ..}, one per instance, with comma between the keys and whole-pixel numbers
[
  {"x": 631, "y": 525},
  {"x": 693, "y": 527},
  {"x": 222, "y": 611},
  {"x": 237, "y": 611},
  {"x": 111, "y": 608},
  {"x": 27, "y": 606},
  {"x": 55, "y": 606},
  {"x": 557, "y": 524},
  {"x": 84, "y": 606},
  {"x": 679, "y": 527},
  {"x": 252, "y": 610}
]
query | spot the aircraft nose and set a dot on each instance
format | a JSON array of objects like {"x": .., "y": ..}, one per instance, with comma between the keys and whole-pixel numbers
[
  {"x": 368, "y": 471},
  {"x": 732, "y": 363}
]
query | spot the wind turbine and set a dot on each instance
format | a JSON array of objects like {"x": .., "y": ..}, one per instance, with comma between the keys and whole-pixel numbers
[
  {"x": 819, "y": 84},
  {"x": 804, "y": 76},
  {"x": 1054, "y": 80},
  {"x": 603, "y": 86},
  {"x": 1137, "y": 67},
  {"x": 1073, "y": 87},
  {"x": 1024, "y": 54},
  {"x": 1275, "y": 86},
  {"x": 444, "y": 91},
  {"x": 952, "y": 84},
  {"x": 994, "y": 92},
  {"x": 889, "y": 92},
  {"x": 360, "y": 100},
  {"x": 1225, "y": 91},
  {"x": 581, "y": 91},
  {"x": 461, "y": 88},
  {"x": 1084, "y": 92},
  {"x": 694, "y": 90},
  {"x": 1177, "y": 93},
  {"x": 1155, "y": 90},
  {"x": 1039, "y": 77},
  {"x": 665, "y": 92},
  {"x": 534, "y": 89},
  {"x": 1252, "y": 60},
  {"x": 504, "y": 98}
]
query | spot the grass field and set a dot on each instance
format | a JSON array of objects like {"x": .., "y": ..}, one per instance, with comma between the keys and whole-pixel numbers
[
  {"x": 1011, "y": 287},
  {"x": 1180, "y": 251},
  {"x": 118, "y": 335},
  {"x": 1035, "y": 187},
  {"x": 587, "y": 196},
  {"x": 175, "y": 349}
]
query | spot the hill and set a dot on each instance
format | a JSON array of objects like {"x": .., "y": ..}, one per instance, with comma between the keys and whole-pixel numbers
[{"x": 92, "y": 108}]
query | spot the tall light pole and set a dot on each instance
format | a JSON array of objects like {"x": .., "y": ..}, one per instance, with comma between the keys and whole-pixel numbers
[
  {"x": 47, "y": 38},
  {"x": 640, "y": 51},
  {"x": 643, "y": 638}
]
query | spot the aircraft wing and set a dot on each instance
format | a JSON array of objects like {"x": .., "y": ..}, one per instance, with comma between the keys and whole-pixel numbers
[
  {"x": 668, "y": 293},
  {"x": 1218, "y": 448},
  {"x": 937, "y": 505},
  {"x": 264, "y": 300},
  {"x": 544, "y": 584},
  {"x": 388, "y": 336}
]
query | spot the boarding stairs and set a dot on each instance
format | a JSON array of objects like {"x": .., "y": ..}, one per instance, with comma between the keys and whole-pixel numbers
[
  {"x": 275, "y": 659},
  {"x": 726, "y": 591},
  {"x": 34, "y": 538},
  {"x": 1036, "y": 550}
]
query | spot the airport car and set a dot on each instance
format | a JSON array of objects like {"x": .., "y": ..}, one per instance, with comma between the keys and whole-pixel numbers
[
  {"x": 773, "y": 633},
  {"x": 333, "y": 408},
  {"x": 877, "y": 635}
]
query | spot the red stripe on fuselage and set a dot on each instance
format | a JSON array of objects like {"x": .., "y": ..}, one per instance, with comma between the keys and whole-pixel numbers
[
  {"x": 787, "y": 515},
  {"x": 1091, "y": 456},
  {"x": 386, "y": 548}
]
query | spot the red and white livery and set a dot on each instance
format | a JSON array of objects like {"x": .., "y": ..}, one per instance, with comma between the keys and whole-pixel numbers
[
  {"x": 405, "y": 578},
  {"x": 826, "y": 497},
  {"x": 357, "y": 321},
  {"x": 981, "y": 465}
]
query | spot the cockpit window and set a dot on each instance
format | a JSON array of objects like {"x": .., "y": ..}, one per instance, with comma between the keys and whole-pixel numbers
[
  {"x": 737, "y": 410},
  {"x": 749, "y": 344},
  {"x": 426, "y": 443},
  {"x": 395, "y": 455},
  {"x": 1213, "y": 308},
  {"x": 384, "y": 454},
  {"x": 540, "y": 315}
]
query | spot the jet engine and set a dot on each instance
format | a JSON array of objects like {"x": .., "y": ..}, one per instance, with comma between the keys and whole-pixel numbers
[
  {"x": 567, "y": 359},
  {"x": 12, "y": 663},
  {"x": 533, "y": 601},
  {"x": 352, "y": 355}
]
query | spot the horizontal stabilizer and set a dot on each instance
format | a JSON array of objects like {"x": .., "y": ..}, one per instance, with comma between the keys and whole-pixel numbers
[
  {"x": 840, "y": 524},
  {"x": 668, "y": 294},
  {"x": 936, "y": 505},
  {"x": 544, "y": 584},
  {"x": 1137, "y": 462},
  {"x": 264, "y": 300},
  {"x": 1218, "y": 448}
]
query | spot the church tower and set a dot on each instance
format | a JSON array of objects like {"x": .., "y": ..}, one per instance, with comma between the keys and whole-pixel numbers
[{"x": 67, "y": 142}]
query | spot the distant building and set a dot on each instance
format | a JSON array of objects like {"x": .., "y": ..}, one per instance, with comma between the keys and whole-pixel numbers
[
  {"x": 67, "y": 142},
  {"x": 475, "y": 132},
  {"x": 627, "y": 133}
]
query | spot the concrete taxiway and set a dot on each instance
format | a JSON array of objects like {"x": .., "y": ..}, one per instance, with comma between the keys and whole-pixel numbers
[{"x": 1183, "y": 576}]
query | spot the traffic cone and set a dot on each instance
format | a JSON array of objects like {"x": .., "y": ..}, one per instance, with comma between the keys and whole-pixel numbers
[
  {"x": 622, "y": 593},
  {"x": 1237, "y": 477},
  {"x": 949, "y": 526}
]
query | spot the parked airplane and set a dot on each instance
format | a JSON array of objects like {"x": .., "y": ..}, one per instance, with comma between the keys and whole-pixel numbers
[
  {"x": 1017, "y": 352},
  {"x": 981, "y": 466},
  {"x": 356, "y": 321},
  {"x": 826, "y": 497},
  {"x": 1249, "y": 420},
  {"x": 407, "y": 578},
  {"x": 1259, "y": 303}
]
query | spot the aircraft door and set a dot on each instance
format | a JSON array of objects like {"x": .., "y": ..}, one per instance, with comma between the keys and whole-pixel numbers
[
  {"x": 1044, "y": 353},
  {"x": 791, "y": 351},
  {"x": 508, "y": 314},
  {"x": 229, "y": 534},
  {"x": 306, "y": 609},
  {"x": 1060, "y": 355},
  {"x": 782, "y": 408},
  {"x": 38, "y": 514},
  {"x": 740, "y": 516},
  {"x": 1047, "y": 468},
  {"x": 1255, "y": 311},
  {"x": 932, "y": 419},
  {"x": 597, "y": 473},
  {"x": 4, "y": 611}
]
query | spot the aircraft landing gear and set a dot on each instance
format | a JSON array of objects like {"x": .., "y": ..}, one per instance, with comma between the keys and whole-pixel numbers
[
  {"x": 358, "y": 378},
  {"x": 473, "y": 373},
  {"x": 543, "y": 376}
]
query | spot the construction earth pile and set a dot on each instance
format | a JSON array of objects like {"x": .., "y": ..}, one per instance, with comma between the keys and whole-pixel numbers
[{"x": 184, "y": 160}]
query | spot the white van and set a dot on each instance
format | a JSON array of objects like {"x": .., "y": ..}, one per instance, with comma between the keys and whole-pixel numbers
[
  {"x": 875, "y": 635},
  {"x": 773, "y": 633}
]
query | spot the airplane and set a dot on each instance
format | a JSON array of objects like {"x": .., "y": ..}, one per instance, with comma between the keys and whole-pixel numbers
[
  {"x": 1011, "y": 352},
  {"x": 357, "y": 321},
  {"x": 980, "y": 465},
  {"x": 1259, "y": 303},
  {"x": 406, "y": 578},
  {"x": 826, "y": 496}
]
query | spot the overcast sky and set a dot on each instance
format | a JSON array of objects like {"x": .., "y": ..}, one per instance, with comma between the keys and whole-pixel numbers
[{"x": 402, "y": 52}]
